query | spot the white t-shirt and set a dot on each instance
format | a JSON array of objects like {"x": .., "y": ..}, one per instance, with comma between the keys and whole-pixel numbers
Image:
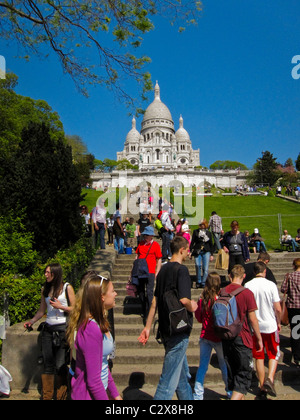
[{"x": 266, "y": 294}]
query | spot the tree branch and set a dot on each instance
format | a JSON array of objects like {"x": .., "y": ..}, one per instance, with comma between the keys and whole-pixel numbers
[{"x": 20, "y": 13}]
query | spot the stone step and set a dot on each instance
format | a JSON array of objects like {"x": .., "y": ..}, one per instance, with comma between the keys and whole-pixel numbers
[{"x": 135, "y": 364}]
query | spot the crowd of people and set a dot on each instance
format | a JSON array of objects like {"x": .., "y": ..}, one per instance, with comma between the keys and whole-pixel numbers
[{"x": 79, "y": 323}]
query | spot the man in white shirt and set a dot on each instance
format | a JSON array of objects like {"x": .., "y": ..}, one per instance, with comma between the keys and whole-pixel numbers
[
  {"x": 268, "y": 315},
  {"x": 99, "y": 220}
]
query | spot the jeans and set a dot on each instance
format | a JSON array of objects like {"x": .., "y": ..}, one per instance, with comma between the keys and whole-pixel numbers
[
  {"x": 166, "y": 241},
  {"x": 206, "y": 348},
  {"x": 54, "y": 355},
  {"x": 260, "y": 244},
  {"x": 175, "y": 374},
  {"x": 119, "y": 244},
  {"x": 217, "y": 237},
  {"x": 202, "y": 263},
  {"x": 100, "y": 233},
  {"x": 145, "y": 292}
]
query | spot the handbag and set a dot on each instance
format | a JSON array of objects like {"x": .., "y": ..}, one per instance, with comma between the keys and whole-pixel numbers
[
  {"x": 284, "y": 312},
  {"x": 222, "y": 260},
  {"x": 131, "y": 289},
  {"x": 132, "y": 306}
]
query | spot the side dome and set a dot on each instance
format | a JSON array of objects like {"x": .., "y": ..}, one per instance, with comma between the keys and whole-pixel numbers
[
  {"x": 133, "y": 135},
  {"x": 181, "y": 134},
  {"x": 157, "y": 110}
]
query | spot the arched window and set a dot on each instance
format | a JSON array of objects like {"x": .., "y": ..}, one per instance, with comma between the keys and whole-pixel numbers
[{"x": 157, "y": 154}]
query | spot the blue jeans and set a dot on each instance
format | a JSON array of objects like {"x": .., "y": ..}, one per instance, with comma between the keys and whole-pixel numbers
[
  {"x": 206, "y": 348},
  {"x": 202, "y": 263},
  {"x": 100, "y": 233},
  {"x": 119, "y": 244},
  {"x": 175, "y": 374},
  {"x": 217, "y": 237},
  {"x": 260, "y": 244}
]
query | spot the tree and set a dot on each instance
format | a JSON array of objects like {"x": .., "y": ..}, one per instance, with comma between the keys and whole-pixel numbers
[
  {"x": 16, "y": 113},
  {"x": 69, "y": 28},
  {"x": 41, "y": 178},
  {"x": 298, "y": 163},
  {"x": 228, "y": 164},
  {"x": 83, "y": 161},
  {"x": 265, "y": 169},
  {"x": 288, "y": 163}
]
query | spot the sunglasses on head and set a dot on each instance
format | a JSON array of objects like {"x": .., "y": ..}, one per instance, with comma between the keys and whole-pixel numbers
[{"x": 102, "y": 278}]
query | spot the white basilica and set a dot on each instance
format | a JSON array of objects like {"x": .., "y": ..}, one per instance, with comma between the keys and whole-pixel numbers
[{"x": 158, "y": 145}]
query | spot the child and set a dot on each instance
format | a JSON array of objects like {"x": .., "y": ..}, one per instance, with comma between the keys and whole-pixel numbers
[
  {"x": 208, "y": 338},
  {"x": 130, "y": 230},
  {"x": 185, "y": 229}
]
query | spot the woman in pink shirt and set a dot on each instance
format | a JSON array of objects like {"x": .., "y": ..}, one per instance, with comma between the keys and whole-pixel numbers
[
  {"x": 208, "y": 338},
  {"x": 94, "y": 343}
]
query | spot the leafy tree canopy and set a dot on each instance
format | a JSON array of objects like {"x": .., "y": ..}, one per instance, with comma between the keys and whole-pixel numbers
[
  {"x": 112, "y": 29},
  {"x": 108, "y": 165},
  {"x": 41, "y": 178},
  {"x": 17, "y": 112},
  {"x": 228, "y": 164},
  {"x": 265, "y": 169}
]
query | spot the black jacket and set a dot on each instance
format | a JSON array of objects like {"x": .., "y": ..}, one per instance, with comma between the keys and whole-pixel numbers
[{"x": 198, "y": 245}]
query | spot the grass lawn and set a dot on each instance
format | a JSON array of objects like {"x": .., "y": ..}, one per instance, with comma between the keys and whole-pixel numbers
[
  {"x": 257, "y": 212},
  {"x": 251, "y": 212}
]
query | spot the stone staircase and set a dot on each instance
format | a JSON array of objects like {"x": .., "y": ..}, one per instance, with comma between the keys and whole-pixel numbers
[{"x": 137, "y": 368}]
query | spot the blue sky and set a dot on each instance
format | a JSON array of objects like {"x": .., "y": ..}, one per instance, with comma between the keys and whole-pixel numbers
[{"x": 229, "y": 77}]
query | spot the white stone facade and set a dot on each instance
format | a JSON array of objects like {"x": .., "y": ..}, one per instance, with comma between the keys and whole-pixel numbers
[{"x": 158, "y": 145}]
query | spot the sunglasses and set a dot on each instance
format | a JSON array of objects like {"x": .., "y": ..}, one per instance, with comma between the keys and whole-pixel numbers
[{"x": 102, "y": 278}]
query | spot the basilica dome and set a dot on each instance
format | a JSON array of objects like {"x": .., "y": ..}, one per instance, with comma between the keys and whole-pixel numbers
[
  {"x": 157, "y": 110},
  {"x": 133, "y": 136},
  {"x": 181, "y": 134}
]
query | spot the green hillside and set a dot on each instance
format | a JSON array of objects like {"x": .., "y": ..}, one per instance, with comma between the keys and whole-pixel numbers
[{"x": 251, "y": 212}]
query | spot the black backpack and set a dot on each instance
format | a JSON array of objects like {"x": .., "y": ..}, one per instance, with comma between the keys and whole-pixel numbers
[{"x": 179, "y": 321}]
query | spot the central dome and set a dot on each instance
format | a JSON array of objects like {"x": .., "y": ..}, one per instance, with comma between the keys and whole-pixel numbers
[{"x": 157, "y": 110}]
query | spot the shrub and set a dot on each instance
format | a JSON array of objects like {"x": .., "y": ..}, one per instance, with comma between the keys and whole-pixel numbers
[
  {"x": 25, "y": 292},
  {"x": 16, "y": 253}
]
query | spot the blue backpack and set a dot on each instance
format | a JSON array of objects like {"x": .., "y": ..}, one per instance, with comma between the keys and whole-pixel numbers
[{"x": 227, "y": 323}]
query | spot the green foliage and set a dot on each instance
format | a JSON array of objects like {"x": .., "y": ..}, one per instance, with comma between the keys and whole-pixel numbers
[
  {"x": 41, "y": 177},
  {"x": 298, "y": 163},
  {"x": 264, "y": 171},
  {"x": 16, "y": 113},
  {"x": 228, "y": 164},
  {"x": 25, "y": 292},
  {"x": 108, "y": 165},
  {"x": 16, "y": 253},
  {"x": 71, "y": 29}
]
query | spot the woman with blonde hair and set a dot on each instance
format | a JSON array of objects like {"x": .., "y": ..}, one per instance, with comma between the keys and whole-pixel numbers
[
  {"x": 93, "y": 343},
  {"x": 291, "y": 287}
]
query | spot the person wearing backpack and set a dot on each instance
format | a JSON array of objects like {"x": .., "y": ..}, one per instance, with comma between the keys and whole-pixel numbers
[
  {"x": 175, "y": 373},
  {"x": 208, "y": 338},
  {"x": 238, "y": 350}
]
